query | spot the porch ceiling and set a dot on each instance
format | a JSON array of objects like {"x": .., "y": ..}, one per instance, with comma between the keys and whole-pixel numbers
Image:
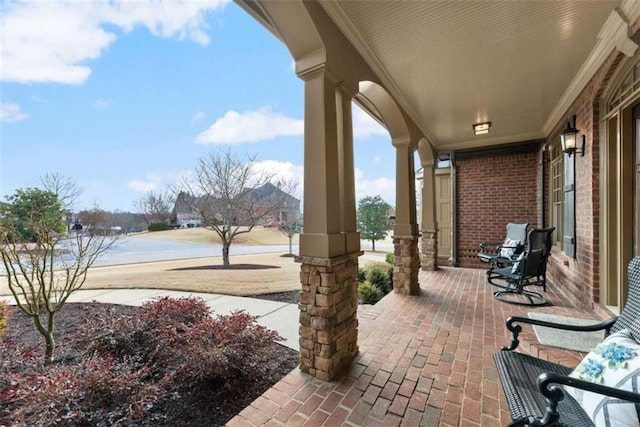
[
  {"x": 454, "y": 63},
  {"x": 449, "y": 64}
]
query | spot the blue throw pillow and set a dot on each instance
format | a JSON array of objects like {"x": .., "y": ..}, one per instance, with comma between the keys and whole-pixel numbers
[{"x": 615, "y": 363}]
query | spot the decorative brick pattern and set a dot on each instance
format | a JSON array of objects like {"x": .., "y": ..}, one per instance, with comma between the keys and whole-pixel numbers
[
  {"x": 328, "y": 323},
  {"x": 424, "y": 360},
  {"x": 429, "y": 258},
  {"x": 406, "y": 261}
]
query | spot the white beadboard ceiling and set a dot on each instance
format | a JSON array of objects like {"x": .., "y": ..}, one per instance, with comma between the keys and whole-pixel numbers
[{"x": 454, "y": 63}]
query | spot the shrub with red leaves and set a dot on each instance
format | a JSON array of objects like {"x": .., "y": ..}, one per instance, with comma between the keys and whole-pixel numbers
[
  {"x": 219, "y": 349},
  {"x": 131, "y": 364},
  {"x": 179, "y": 337},
  {"x": 97, "y": 391}
]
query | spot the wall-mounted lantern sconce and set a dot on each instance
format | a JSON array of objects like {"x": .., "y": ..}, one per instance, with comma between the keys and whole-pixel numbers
[
  {"x": 569, "y": 139},
  {"x": 481, "y": 128}
]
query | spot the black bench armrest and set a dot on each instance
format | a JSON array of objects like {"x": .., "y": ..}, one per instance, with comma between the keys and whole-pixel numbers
[
  {"x": 548, "y": 386},
  {"x": 516, "y": 329},
  {"x": 548, "y": 379}
]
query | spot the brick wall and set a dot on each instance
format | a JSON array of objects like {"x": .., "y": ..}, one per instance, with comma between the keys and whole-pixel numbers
[
  {"x": 493, "y": 190},
  {"x": 579, "y": 277}
]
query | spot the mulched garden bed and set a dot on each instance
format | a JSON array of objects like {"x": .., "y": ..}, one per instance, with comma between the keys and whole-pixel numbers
[
  {"x": 292, "y": 297},
  {"x": 204, "y": 404},
  {"x": 228, "y": 267}
]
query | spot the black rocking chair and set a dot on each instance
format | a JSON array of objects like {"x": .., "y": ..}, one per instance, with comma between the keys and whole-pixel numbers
[
  {"x": 529, "y": 269},
  {"x": 507, "y": 250}
]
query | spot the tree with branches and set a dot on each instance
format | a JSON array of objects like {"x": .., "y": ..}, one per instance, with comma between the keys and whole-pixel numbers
[
  {"x": 290, "y": 229},
  {"x": 232, "y": 196},
  {"x": 373, "y": 219},
  {"x": 44, "y": 265},
  {"x": 154, "y": 207}
]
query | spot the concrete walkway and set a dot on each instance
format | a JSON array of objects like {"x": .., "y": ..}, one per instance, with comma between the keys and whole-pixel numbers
[{"x": 278, "y": 316}]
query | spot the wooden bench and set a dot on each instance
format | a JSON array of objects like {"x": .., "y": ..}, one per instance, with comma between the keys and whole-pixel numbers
[{"x": 534, "y": 388}]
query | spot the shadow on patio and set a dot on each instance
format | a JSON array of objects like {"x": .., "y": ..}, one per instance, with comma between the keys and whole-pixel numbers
[{"x": 424, "y": 360}]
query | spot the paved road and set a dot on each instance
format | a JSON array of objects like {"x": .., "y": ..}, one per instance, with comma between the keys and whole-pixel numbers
[{"x": 133, "y": 250}]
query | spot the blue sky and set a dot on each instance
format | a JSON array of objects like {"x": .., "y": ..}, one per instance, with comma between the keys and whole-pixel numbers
[{"x": 124, "y": 97}]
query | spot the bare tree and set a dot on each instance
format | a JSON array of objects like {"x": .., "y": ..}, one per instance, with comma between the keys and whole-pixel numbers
[
  {"x": 231, "y": 196},
  {"x": 42, "y": 276},
  {"x": 154, "y": 207},
  {"x": 96, "y": 221},
  {"x": 63, "y": 186}
]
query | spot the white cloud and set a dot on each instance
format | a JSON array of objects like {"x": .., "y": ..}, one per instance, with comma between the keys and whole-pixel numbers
[
  {"x": 264, "y": 124},
  {"x": 364, "y": 126},
  {"x": 141, "y": 186},
  {"x": 10, "y": 113},
  {"x": 285, "y": 171},
  {"x": 382, "y": 186},
  {"x": 52, "y": 41},
  {"x": 200, "y": 115},
  {"x": 100, "y": 104},
  {"x": 377, "y": 160},
  {"x": 250, "y": 126},
  {"x": 156, "y": 182},
  {"x": 38, "y": 99}
]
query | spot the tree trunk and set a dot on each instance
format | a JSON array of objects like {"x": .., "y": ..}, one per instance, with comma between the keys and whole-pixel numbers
[
  {"x": 290, "y": 239},
  {"x": 49, "y": 348},
  {"x": 373, "y": 245},
  {"x": 47, "y": 333},
  {"x": 225, "y": 254}
]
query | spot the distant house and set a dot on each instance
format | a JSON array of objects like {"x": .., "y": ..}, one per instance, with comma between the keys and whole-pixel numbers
[
  {"x": 268, "y": 203},
  {"x": 183, "y": 215},
  {"x": 264, "y": 199}
]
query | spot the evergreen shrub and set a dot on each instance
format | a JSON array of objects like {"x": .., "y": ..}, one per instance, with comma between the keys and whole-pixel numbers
[
  {"x": 389, "y": 258},
  {"x": 158, "y": 226},
  {"x": 369, "y": 294}
]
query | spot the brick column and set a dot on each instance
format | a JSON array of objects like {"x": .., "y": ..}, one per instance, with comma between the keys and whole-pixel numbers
[
  {"x": 406, "y": 261},
  {"x": 328, "y": 322},
  {"x": 429, "y": 256}
]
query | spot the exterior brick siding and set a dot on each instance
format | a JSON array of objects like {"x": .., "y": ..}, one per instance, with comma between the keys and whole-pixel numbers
[
  {"x": 493, "y": 190},
  {"x": 579, "y": 277}
]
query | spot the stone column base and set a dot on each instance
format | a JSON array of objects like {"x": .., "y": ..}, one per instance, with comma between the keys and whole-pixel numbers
[
  {"x": 406, "y": 262},
  {"x": 328, "y": 308},
  {"x": 429, "y": 256}
]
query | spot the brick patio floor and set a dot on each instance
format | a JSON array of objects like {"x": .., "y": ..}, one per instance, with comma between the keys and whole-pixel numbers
[{"x": 424, "y": 360}]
